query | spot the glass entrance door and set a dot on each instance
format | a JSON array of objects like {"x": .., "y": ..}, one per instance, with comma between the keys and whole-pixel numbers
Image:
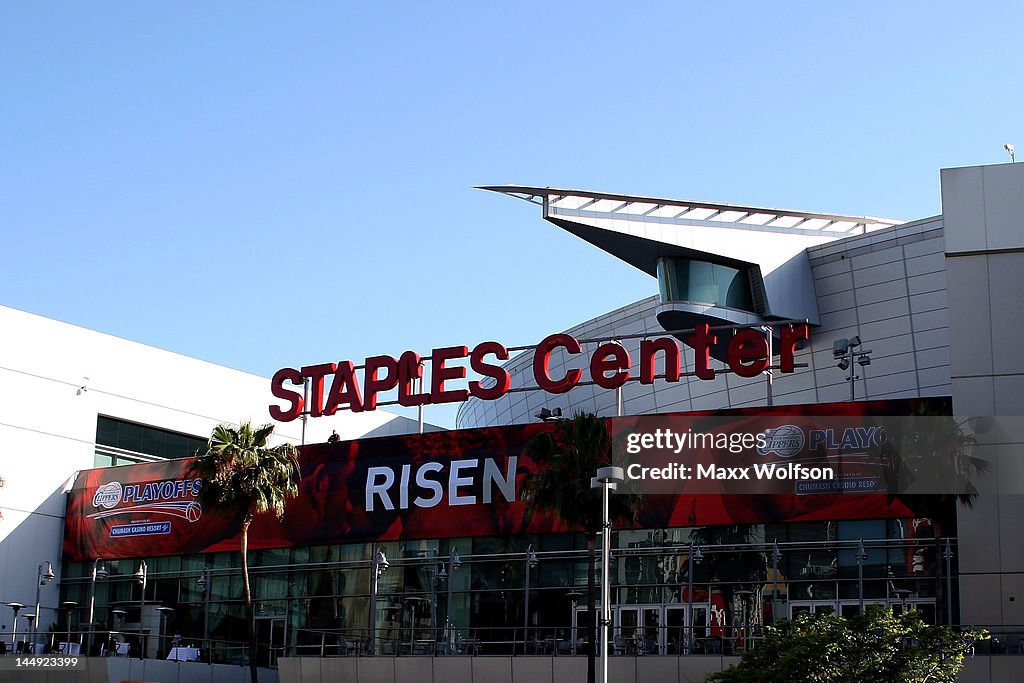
[
  {"x": 798, "y": 607},
  {"x": 686, "y": 629},
  {"x": 269, "y": 640}
]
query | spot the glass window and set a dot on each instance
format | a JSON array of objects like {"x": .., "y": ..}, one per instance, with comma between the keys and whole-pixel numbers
[{"x": 682, "y": 279}]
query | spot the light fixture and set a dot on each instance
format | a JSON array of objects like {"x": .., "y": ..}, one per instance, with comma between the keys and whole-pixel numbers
[
  {"x": 455, "y": 560},
  {"x": 531, "y": 557},
  {"x": 608, "y": 479},
  {"x": 698, "y": 556},
  {"x": 846, "y": 352},
  {"x": 1011, "y": 150},
  {"x": 548, "y": 415}
]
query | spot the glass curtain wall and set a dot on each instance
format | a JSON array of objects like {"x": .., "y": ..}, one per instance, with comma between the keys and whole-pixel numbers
[{"x": 316, "y": 601}]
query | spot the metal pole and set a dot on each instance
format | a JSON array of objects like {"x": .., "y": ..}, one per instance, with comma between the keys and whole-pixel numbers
[
  {"x": 689, "y": 597},
  {"x": 448, "y": 640},
  {"x": 207, "y": 589},
  {"x": 305, "y": 407},
  {"x": 40, "y": 580},
  {"x": 438, "y": 570},
  {"x": 92, "y": 604},
  {"x": 861, "y": 556},
  {"x": 768, "y": 373},
  {"x": 378, "y": 566},
  {"x": 143, "y": 571},
  {"x": 853, "y": 385},
  {"x": 16, "y": 606},
  {"x": 419, "y": 409},
  {"x": 526, "y": 603},
  {"x": 776, "y": 556},
  {"x": 948, "y": 555},
  {"x": 606, "y": 552},
  {"x": 70, "y": 605}
]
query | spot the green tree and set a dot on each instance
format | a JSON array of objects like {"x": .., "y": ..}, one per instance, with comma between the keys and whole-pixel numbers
[
  {"x": 244, "y": 476},
  {"x": 569, "y": 457},
  {"x": 877, "y": 647}
]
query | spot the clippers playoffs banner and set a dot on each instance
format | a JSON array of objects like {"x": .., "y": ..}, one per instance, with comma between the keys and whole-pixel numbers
[{"x": 437, "y": 485}]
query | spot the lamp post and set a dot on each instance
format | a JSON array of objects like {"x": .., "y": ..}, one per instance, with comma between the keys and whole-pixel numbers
[
  {"x": 99, "y": 571},
  {"x": 69, "y": 605},
  {"x": 17, "y": 607},
  {"x": 776, "y": 557},
  {"x": 743, "y": 594},
  {"x": 378, "y": 565},
  {"x": 861, "y": 556},
  {"x": 141, "y": 575},
  {"x": 947, "y": 555},
  {"x": 574, "y": 596},
  {"x": 607, "y": 479},
  {"x": 440, "y": 576},
  {"x": 843, "y": 350},
  {"x": 43, "y": 579},
  {"x": 695, "y": 557},
  {"x": 531, "y": 563},
  {"x": 454, "y": 561},
  {"x": 205, "y": 584}
]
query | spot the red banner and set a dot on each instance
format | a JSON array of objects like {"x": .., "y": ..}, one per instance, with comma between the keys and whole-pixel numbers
[{"x": 437, "y": 485}]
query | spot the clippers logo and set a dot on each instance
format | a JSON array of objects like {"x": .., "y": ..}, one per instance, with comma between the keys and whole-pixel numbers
[
  {"x": 174, "y": 498},
  {"x": 107, "y": 496},
  {"x": 785, "y": 441}
]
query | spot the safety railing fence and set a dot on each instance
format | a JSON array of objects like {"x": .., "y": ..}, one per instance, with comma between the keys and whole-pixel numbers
[{"x": 635, "y": 641}]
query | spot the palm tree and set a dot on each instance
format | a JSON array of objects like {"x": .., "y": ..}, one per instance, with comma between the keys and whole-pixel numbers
[
  {"x": 569, "y": 457},
  {"x": 242, "y": 477}
]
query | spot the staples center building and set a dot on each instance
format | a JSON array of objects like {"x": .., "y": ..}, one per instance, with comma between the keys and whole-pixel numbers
[{"x": 932, "y": 308}]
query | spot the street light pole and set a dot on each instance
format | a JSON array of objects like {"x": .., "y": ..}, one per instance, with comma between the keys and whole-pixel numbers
[
  {"x": 947, "y": 554},
  {"x": 776, "y": 556},
  {"x": 69, "y": 605},
  {"x": 454, "y": 562},
  {"x": 531, "y": 562},
  {"x": 861, "y": 557},
  {"x": 141, "y": 576},
  {"x": 205, "y": 582},
  {"x": 695, "y": 558},
  {"x": 99, "y": 571},
  {"x": 440, "y": 574},
  {"x": 378, "y": 565},
  {"x": 43, "y": 578},
  {"x": 607, "y": 479}
]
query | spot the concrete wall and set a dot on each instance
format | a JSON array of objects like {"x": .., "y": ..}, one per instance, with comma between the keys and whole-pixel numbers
[
  {"x": 496, "y": 669},
  {"x": 559, "y": 669},
  {"x": 984, "y": 221},
  {"x": 120, "y": 669}
]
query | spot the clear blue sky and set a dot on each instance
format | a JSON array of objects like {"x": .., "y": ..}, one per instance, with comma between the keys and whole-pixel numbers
[{"x": 274, "y": 184}]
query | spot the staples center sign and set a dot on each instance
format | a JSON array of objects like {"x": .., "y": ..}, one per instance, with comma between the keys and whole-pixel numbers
[{"x": 610, "y": 368}]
